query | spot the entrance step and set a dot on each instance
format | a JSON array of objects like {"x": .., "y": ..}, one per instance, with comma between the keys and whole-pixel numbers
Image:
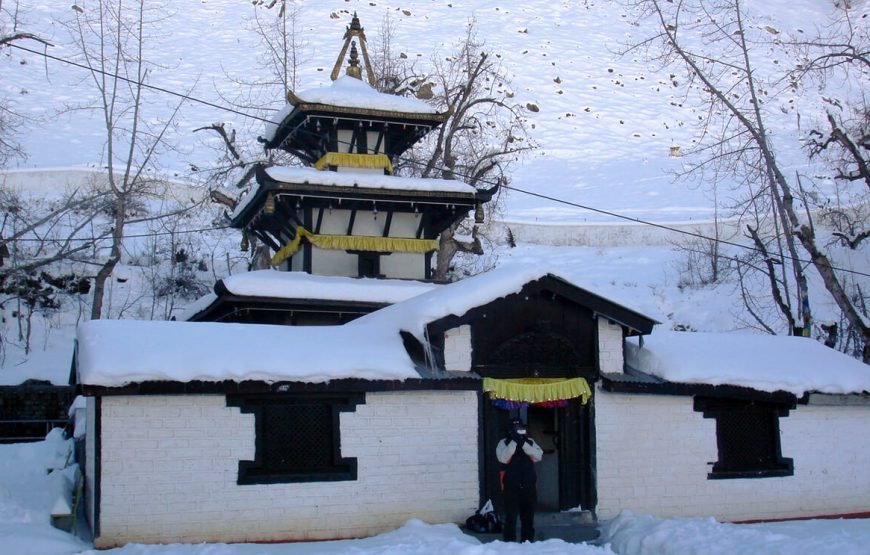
[{"x": 571, "y": 527}]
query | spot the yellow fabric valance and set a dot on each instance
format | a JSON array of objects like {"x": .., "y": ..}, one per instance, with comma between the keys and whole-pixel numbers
[
  {"x": 538, "y": 390},
  {"x": 354, "y": 160},
  {"x": 354, "y": 242}
]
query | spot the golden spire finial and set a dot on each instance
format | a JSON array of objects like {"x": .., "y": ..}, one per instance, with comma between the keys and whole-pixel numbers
[
  {"x": 353, "y": 68},
  {"x": 354, "y": 30}
]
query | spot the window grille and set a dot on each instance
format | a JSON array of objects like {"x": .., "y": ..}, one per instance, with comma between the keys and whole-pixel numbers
[
  {"x": 298, "y": 438},
  {"x": 747, "y": 437}
]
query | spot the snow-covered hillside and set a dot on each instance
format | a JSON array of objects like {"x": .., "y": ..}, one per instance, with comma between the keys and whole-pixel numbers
[{"x": 606, "y": 123}]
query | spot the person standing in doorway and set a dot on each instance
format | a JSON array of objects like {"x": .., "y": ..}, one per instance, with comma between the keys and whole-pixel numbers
[{"x": 518, "y": 454}]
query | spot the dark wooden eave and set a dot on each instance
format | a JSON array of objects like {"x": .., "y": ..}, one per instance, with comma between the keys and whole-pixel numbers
[
  {"x": 460, "y": 202},
  {"x": 634, "y": 381},
  {"x": 290, "y": 128},
  {"x": 470, "y": 383},
  {"x": 228, "y": 303},
  {"x": 634, "y": 322}
]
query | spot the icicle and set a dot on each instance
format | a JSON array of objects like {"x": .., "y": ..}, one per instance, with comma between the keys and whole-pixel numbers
[{"x": 428, "y": 353}]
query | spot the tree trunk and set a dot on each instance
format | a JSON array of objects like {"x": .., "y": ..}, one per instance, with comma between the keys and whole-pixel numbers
[{"x": 113, "y": 260}]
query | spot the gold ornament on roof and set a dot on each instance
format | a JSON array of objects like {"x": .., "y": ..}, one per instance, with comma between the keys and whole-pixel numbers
[
  {"x": 354, "y": 30},
  {"x": 353, "y": 68}
]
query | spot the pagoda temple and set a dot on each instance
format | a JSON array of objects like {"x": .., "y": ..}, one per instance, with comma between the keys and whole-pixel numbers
[{"x": 345, "y": 213}]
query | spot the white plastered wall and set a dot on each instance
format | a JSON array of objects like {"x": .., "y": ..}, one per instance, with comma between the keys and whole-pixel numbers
[
  {"x": 457, "y": 349},
  {"x": 610, "y": 346},
  {"x": 340, "y": 263},
  {"x": 170, "y": 465},
  {"x": 653, "y": 453}
]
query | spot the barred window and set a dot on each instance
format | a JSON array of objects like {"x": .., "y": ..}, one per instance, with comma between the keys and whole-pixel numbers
[
  {"x": 298, "y": 438},
  {"x": 747, "y": 437}
]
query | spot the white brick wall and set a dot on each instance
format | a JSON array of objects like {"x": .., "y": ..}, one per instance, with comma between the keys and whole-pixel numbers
[
  {"x": 610, "y": 356},
  {"x": 170, "y": 464},
  {"x": 653, "y": 452},
  {"x": 457, "y": 349}
]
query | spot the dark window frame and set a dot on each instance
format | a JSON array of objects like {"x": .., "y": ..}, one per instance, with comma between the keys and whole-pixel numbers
[
  {"x": 265, "y": 469},
  {"x": 739, "y": 455},
  {"x": 368, "y": 263}
]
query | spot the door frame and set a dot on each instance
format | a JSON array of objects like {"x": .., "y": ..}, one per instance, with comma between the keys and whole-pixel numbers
[{"x": 577, "y": 484}]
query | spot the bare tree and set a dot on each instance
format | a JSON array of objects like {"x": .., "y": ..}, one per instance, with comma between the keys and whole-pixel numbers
[
  {"x": 276, "y": 25},
  {"x": 711, "y": 40},
  {"x": 839, "y": 53},
  {"x": 484, "y": 135},
  {"x": 110, "y": 38},
  {"x": 45, "y": 245}
]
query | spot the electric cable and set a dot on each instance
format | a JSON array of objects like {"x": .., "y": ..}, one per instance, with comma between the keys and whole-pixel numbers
[{"x": 411, "y": 161}]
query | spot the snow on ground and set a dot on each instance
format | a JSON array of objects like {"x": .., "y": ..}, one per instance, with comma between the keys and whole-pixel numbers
[
  {"x": 647, "y": 535},
  {"x": 33, "y": 477},
  {"x": 28, "y": 492}
]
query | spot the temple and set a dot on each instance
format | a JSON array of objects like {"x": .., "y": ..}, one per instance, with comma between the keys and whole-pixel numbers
[{"x": 345, "y": 213}]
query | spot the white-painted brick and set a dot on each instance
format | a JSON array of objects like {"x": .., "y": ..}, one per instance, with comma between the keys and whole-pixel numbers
[
  {"x": 416, "y": 454},
  {"x": 457, "y": 349},
  {"x": 653, "y": 453},
  {"x": 610, "y": 355}
]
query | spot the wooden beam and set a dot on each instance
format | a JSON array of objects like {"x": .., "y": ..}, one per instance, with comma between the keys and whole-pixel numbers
[
  {"x": 421, "y": 227},
  {"x": 319, "y": 221},
  {"x": 351, "y": 221},
  {"x": 388, "y": 223}
]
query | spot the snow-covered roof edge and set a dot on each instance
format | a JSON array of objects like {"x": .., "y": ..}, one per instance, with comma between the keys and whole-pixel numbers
[
  {"x": 115, "y": 353},
  {"x": 458, "y": 298},
  {"x": 347, "y": 92},
  {"x": 765, "y": 363},
  {"x": 360, "y": 181}
]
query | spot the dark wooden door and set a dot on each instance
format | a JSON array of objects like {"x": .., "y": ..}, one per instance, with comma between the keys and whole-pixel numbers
[
  {"x": 574, "y": 436},
  {"x": 577, "y": 457}
]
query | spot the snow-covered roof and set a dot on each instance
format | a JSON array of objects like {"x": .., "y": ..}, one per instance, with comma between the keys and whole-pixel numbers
[
  {"x": 300, "y": 285},
  {"x": 114, "y": 353},
  {"x": 762, "y": 362},
  {"x": 367, "y": 180},
  {"x": 457, "y": 298},
  {"x": 310, "y": 176},
  {"x": 349, "y": 92}
]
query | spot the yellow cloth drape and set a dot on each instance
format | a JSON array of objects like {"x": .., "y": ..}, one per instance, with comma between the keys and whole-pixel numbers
[
  {"x": 355, "y": 160},
  {"x": 538, "y": 390},
  {"x": 353, "y": 242}
]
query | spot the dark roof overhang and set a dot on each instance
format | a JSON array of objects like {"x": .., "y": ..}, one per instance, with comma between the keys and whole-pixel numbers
[
  {"x": 291, "y": 126},
  {"x": 634, "y": 381},
  {"x": 228, "y": 303},
  {"x": 469, "y": 383},
  {"x": 462, "y": 202},
  {"x": 635, "y": 322}
]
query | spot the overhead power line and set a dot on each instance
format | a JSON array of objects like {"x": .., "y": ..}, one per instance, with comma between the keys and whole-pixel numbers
[
  {"x": 139, "y": 83},
  {"x": 412, "y": 161}
]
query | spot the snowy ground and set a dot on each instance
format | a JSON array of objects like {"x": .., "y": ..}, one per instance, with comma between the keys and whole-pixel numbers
[{"x": 33, "y": 476}]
